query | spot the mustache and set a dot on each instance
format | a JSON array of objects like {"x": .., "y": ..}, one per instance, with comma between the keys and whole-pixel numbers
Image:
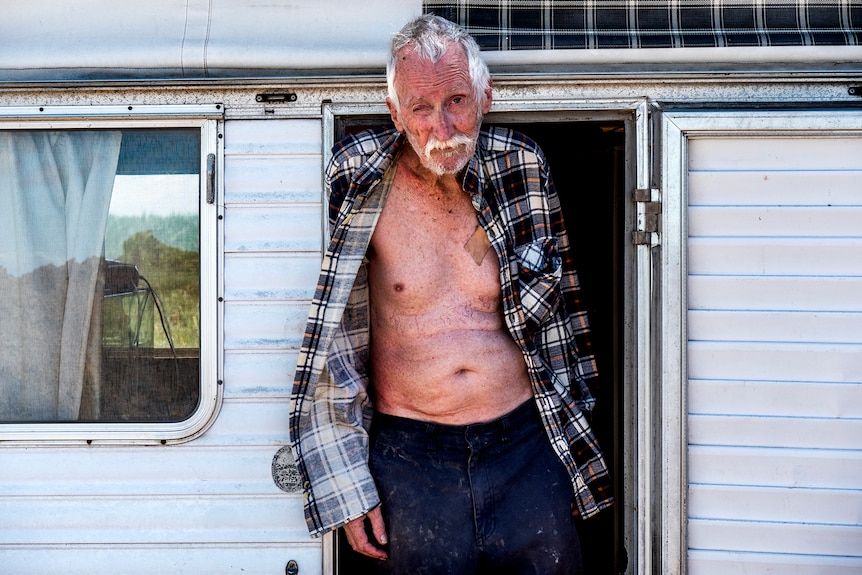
[{"x": 456, "y": 141}]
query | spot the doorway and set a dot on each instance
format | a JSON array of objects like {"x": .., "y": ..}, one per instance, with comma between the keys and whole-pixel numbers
[
  {"x": 587, "y": 161},
  {"x": 589, "y": 167}
]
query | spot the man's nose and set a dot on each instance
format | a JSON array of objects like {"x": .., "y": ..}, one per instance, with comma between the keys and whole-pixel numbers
[{"x": 442, "y": 126}]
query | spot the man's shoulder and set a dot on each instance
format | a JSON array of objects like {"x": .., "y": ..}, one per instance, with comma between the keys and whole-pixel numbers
[
  {"x": 499, "y": 140},
  {"x": 363, "y": 143}
]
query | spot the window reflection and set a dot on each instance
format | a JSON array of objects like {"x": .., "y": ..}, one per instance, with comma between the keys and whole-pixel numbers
[{"x": 100, "y": 275}]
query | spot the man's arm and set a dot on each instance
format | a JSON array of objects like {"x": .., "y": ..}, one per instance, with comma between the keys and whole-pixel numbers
[
  {"x": 585, "y": 368},
  {"x": 330, "y": 405}
]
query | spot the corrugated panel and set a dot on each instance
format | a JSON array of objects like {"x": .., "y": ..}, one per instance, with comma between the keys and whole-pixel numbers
[
  {"x": 788, "y": 154},
  {"x": 774, "y": 328},
  {"x": 770, "y": 361},
  {"x": 723, "y": 562},
  {"x": 775, "y": 537},
  {"x": 273, "y": 238},
  {"x": 273, "y": 228},
  {"x": 92, "y": 472},
  {"x": 765, "y": 257},
  {"x": 790, "y": 326},
  {"x": 123, "y": 520},
  {"x": 264, "y": 325},
  {"x": 774, "y": 398},
  {"x": 174, "y": 559},
  {"x": 768, "y": 187},
  {"x": 835, "y": 506},
  {"x": 799, "y": 431},
  {"x": 260, "y": 373},
  {"x": 774, "y": 466},
  {"x": 249, "y": 421},
  {"x": 273, "y": 162},
  {"x": 272, "y": 276},
  {"x": 732, "y": 292}
]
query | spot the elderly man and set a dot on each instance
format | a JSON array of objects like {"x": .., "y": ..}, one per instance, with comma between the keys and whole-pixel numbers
[{"x": 438, "y": 410}]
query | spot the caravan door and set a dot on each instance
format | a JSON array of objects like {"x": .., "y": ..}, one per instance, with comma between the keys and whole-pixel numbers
[{"x": 761, "y": 378}]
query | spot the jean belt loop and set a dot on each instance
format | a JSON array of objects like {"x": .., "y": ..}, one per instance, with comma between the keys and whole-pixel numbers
[
  {"x": 505, "y": 427},
  {"x": 430, "y": 438}
]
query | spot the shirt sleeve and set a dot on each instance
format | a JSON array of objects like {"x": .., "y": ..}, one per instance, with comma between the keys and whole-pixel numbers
[
  {"x": 592, "y": 484},
  {"x": 583, "y": 370},
  {"x": 330, "y": 408},
  {"x": 335, "y": 442}
]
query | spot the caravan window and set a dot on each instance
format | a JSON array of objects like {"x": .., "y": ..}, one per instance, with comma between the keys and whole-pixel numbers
[{"x": 101, "y": 272}]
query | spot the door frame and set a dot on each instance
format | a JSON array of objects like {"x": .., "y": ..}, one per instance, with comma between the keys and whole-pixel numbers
[{"x": 641, "y": 342}]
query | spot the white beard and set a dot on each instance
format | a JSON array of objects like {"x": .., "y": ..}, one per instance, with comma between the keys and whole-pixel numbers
[{"x": 445, "y": 157}]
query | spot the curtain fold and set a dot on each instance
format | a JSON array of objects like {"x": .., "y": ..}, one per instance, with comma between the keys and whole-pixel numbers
[{"x": 55, "y": 187}]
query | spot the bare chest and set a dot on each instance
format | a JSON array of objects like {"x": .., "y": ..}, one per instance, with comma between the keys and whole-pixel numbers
[{"x": 427, "y": 244}]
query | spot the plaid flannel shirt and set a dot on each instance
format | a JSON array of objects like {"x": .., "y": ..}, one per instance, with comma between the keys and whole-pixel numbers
[{"x": 517, "y": 205}]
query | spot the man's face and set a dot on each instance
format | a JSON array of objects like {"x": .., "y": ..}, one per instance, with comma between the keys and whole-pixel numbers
[{"x": 439, "y": 112}]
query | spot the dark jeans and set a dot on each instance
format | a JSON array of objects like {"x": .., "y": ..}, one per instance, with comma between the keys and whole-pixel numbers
[{"x": 484, "y": 498}]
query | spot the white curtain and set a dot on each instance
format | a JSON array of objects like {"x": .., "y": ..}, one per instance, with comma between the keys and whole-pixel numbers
[{"x": 55, "y": 192}]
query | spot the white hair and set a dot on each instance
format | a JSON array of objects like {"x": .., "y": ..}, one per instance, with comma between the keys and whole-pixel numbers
[{"x": 430, "y": 37}]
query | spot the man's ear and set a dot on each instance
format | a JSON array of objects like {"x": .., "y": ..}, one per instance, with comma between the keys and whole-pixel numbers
[
  {"x": 486, "y": 105},
  {"x": 393, "y": 113}
]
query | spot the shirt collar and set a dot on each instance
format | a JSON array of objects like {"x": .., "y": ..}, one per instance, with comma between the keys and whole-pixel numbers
[
  {"x": 474, "y": 174},
  {"x": 377, "y": 164}
]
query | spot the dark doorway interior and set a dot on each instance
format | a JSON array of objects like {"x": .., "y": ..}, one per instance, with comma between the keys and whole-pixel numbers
[{"x": 587, "y": 160}]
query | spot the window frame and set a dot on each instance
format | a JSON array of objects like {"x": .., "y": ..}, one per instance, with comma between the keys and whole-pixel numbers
[{"x": 209, "y": 119}]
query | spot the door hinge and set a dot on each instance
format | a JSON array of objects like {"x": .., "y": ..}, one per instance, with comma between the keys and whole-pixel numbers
[{"x": 648, "y": 203}]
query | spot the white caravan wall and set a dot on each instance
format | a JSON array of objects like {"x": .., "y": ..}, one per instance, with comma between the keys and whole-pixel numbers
[
  {"x": 774, "y": 354},
  {"x": 209, "y": 506}
]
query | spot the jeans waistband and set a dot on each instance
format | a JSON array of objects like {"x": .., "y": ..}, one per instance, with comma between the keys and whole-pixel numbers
[{"x": 524, "y": 419}]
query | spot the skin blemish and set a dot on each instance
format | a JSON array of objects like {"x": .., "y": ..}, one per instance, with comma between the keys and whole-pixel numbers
[{"x": 399, "y": 287}]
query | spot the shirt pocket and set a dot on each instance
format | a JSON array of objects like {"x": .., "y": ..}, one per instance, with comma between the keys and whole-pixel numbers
[{"x": 539, "y": 274}]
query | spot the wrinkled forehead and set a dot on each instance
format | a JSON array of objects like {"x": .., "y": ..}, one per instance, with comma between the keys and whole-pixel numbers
[
  {"x": 431, "y": 53},
  {"x": 423, "y": 80}
]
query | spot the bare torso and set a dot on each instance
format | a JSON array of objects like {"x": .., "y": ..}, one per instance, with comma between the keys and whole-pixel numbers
[{"x": 440, "y": 350}]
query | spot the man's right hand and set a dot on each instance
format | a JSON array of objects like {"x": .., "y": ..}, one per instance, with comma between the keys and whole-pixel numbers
[{"x": 357, "y": 535}]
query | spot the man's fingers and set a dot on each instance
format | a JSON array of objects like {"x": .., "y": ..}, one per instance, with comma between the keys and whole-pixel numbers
[
  {"x": 377, "y": 525},
  {"x": 357, "y": 536}
]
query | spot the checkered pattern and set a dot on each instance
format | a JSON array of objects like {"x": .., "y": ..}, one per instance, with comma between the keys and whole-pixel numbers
[
  {"x": 517, "y": 206},
  {"x": 560, "y": 24}
]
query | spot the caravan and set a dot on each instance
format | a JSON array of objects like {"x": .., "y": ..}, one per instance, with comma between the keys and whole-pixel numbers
[{"x": 709, "y": 161}]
